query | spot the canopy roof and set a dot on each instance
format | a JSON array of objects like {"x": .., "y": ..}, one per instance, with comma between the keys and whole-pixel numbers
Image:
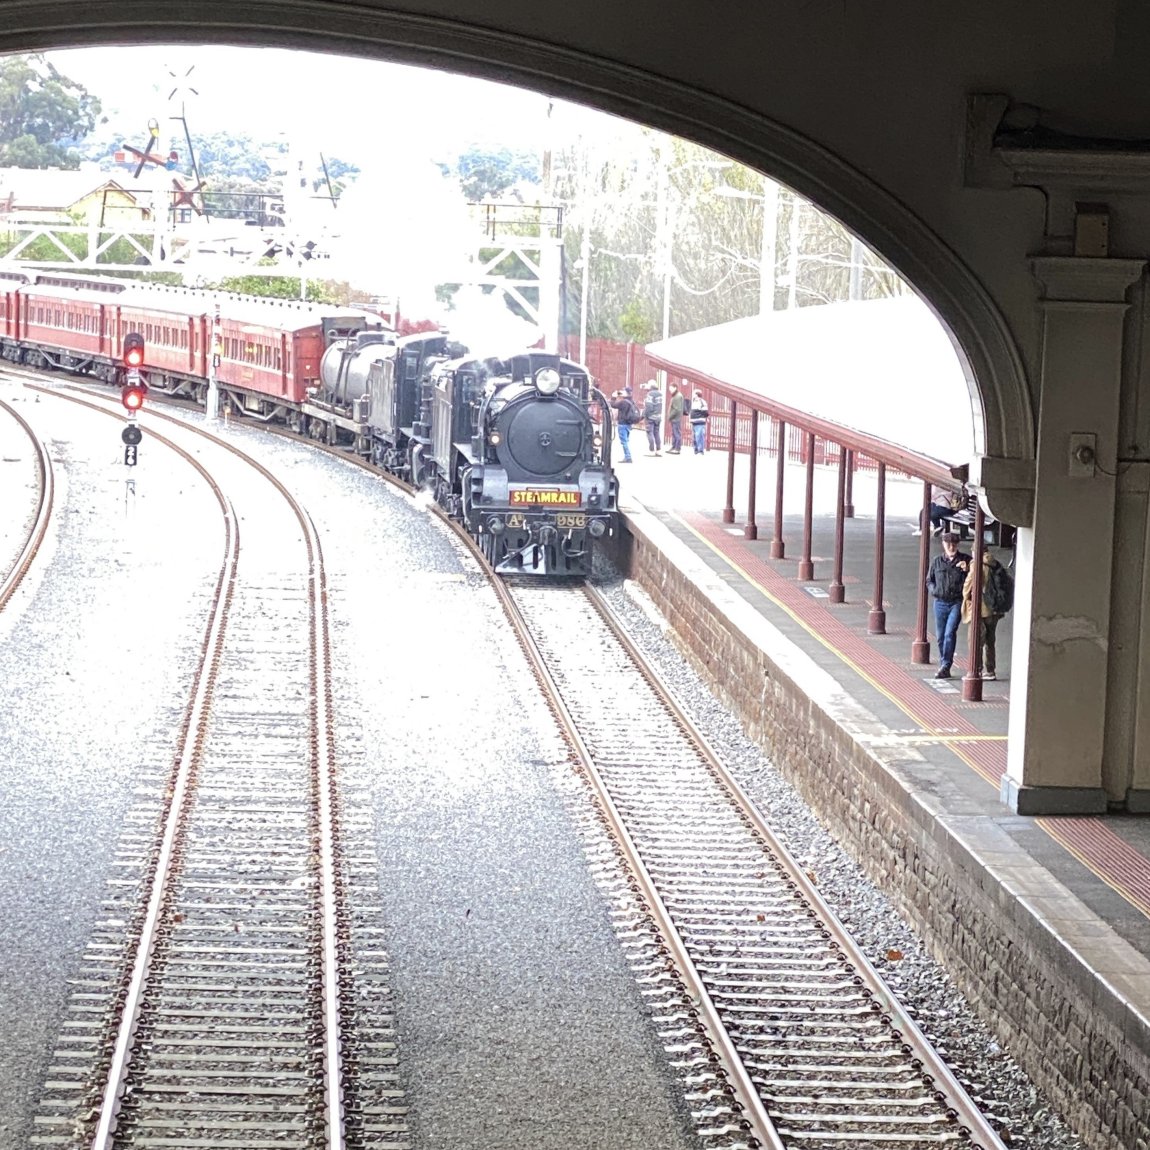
[{"x": 884, "y": 367}]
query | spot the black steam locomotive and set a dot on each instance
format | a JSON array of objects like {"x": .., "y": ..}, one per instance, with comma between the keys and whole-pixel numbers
[{"x": 518, "y": 447}]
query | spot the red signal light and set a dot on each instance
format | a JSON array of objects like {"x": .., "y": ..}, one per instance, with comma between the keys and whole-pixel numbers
[
  {"x": 132, "y": 396},
  {"x": 133, "y": 349}
]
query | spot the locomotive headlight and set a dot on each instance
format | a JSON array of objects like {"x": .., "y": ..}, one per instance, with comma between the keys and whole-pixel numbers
[
  {"x": 547, "y": 381},
  {"x": 495, "y": 439},
  {"x": 597, "y": 527},
  {"x": 496, "y": 525},
  {"x": 597, "y": 441}
]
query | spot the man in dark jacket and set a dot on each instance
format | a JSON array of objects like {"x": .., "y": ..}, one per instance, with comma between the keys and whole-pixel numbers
[
  {"x": 675, "y": 416},
  {"x": 625, "y": 415},
  {"x": 944, "y": 581}
]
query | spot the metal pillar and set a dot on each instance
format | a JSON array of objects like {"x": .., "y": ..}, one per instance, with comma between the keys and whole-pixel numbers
[
  {"x": 806, "y": 564},
  {"x": 836, "y": 589},
  {"x": 849, "y": 509},
  {"x": 729, "y": 510},
  {"x": 920, "y": 647},
  {"x": 778, "y": 547},
  {"x": 751, "y": 530},
  {"x": 972, "y": 680},
  {"x": 876, "y": 620}
]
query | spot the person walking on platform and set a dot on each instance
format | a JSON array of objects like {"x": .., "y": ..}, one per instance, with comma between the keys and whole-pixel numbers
[
  {"x": 625, "y": 415},
  {"x": 945, "y": 581},
  {"x": 699, "y": 414},
  {"x": 997, "y": 599},
  {"x": 675, "y": 417},
  {"x": 653, "y": 414}
]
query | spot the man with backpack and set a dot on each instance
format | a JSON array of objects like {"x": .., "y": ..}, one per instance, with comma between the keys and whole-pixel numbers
[
  {"x": 653, "y": 415},
  {"x": 626, "y": 414},
  {"x": 997, "y": 599}
]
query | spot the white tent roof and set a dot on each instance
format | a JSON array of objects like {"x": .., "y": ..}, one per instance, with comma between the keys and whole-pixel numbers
[{"x": 884, "y": 367}]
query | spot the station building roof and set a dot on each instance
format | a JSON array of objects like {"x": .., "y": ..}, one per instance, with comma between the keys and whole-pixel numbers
[{"x": 883, "y": 367}]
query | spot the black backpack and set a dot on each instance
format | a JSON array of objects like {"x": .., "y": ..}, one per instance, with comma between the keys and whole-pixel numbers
[
  {"x": 629, "y": 413},
  {"x": 999, "y": 592}
]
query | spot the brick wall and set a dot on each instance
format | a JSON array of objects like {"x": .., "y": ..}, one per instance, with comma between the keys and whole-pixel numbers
[{"x": 1074, "y": 1035}]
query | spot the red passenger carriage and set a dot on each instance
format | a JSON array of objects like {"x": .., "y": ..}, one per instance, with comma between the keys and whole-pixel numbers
[{"x": 269, "y": 350}]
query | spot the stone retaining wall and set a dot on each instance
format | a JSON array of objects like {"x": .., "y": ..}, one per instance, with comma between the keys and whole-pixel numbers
[{"x": 1078, "y": 1038}]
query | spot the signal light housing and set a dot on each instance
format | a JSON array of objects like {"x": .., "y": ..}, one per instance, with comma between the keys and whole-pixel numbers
[
  {"x": 132, "y": 396},
  {"x": 133, "y": 349}
]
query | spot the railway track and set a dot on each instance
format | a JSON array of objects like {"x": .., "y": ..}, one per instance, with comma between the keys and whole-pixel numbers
[
  {"x": 786, "y": 1034},
  {"x": 219, "y": 1005},
  {"x": 40, "y": 519}
]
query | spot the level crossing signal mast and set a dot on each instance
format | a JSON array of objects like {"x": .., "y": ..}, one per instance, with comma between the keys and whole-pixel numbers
[{"x": 132, "y": 394}]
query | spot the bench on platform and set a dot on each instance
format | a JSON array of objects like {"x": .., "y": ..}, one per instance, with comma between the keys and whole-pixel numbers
[{"x": 962, "y": 521}]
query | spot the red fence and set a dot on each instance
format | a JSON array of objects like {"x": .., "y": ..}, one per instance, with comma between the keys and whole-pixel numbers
[{"x": 614, "y": 365}]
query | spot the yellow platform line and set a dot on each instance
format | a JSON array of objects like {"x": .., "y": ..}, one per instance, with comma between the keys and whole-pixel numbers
[
  {"x": 931, "y": 732},
  {"x": 1050, "y": 826}
]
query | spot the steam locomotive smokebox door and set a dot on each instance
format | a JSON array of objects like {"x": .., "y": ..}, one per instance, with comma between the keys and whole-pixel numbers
[{"x": 544, "y": 439}]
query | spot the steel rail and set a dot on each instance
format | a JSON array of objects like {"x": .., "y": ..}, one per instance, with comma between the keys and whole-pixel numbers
[
  {"x": 754, "y": 1114},
  {"x": 323, "y": 782},
  {"x": 969, "y": 1116},
  {"x": 44, "y": 507}
]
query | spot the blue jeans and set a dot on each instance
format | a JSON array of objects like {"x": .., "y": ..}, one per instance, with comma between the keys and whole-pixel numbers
[
  {"x": 676, "y": 434},
  {"x": 699, "y": 432},
  {"x": 654, "y": 435},
  {"x": 946, "y": 620},
  {"x": 625, "y": 441}
]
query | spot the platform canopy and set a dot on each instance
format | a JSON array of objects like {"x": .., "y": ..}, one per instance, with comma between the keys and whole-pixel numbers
[{"x": 884, "y": 367}]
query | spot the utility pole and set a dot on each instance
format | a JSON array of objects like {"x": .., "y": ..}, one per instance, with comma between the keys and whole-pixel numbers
[
  {"x": 768, "y": 253},
  {"x": 793, "y": 253},
  {"x": 212, "y": 405},
  {"x": 858, "y": 256},
  {"x": 585, "y": 261}
]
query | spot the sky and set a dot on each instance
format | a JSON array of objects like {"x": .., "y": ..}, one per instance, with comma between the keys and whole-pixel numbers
[
  {"x": 393, "y": 236},
  {"x": 340, "y": 105},
  {"x": 400, "y": 232}
]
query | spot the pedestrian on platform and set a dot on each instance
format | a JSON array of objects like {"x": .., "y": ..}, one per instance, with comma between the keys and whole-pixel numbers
[
  {"x": 625, "y": 415},
  {"x": 699, "y": 415},
  {"x": 945, "y": 582},
  {"x": 941, "y": 505},
  {"x": 675, "y": 417},
  {"x": 997, "y": 599},
  {"x": 653, "y": 414}
]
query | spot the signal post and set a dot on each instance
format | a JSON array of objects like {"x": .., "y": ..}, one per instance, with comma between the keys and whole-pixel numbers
[{"x": 132, "y": 395}]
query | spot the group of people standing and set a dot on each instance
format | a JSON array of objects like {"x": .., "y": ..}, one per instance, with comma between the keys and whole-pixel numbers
[
  {"x": 628, "y": 414},
  {"x": 950, "y": 581}
]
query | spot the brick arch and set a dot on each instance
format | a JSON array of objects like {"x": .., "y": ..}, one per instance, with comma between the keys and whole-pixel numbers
[{"x": 1004, "y": 417}]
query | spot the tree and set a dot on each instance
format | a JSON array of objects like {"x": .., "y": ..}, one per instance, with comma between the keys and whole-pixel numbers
[
  {"x": 493, "y": 173},
  {"x": 281, "y": 287},
  {"x": 43, "y": 114}
]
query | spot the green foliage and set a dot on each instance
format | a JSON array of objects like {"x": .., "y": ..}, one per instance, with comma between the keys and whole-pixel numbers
[
  {"x": 42, "y": 114},
  {"x": 493, "y": 173},
  {"x": 280, "y": 287},
  {"x": 637, "y": 322}
]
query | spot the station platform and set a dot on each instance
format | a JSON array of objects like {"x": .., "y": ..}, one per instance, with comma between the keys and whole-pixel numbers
[{"x": 1082, "y": 884}]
